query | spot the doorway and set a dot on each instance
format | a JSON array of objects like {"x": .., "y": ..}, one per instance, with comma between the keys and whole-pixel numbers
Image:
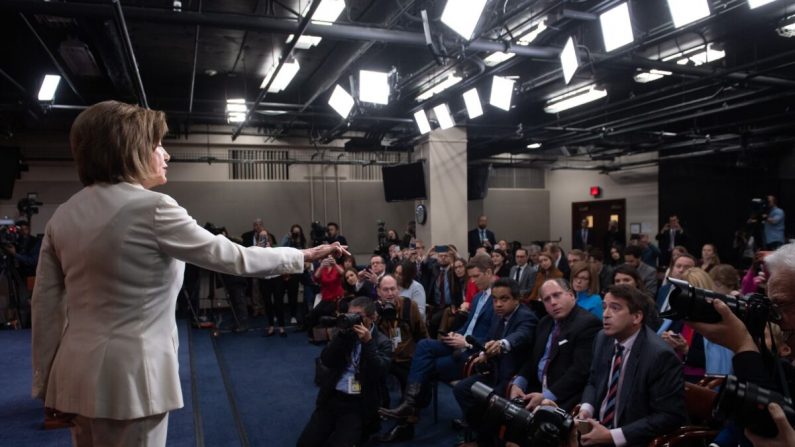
[{"x": 598, "y": 214}]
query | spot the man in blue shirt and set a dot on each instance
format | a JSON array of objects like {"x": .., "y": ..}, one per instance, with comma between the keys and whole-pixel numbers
[{"x": 774, "y": 225}]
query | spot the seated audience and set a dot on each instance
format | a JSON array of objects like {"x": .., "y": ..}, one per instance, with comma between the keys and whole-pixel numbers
[
  {"x": 329, "y": 277},
  {"x": 601, "y": 270},
  {"x": 409, "y": 287},
  {"x": 632, "y": 257},
  {"x": 557, "y": 368},
  {"x": 575, "y": 256},
  {"x": 586, "y": 288},
  {"x": 442, "y": 290},
  {"x": 546, "y": 271},
  {"x": 709, "y": 258},
  {"x": 523, "y": 273},
  {"x": 502, "y": 268},
  {"x": 635, "y": 390},
  {"x": 353, "y": 366}
]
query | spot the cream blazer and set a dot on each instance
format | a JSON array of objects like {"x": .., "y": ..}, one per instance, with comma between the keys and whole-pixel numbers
[{"x": 111, "y": 265}]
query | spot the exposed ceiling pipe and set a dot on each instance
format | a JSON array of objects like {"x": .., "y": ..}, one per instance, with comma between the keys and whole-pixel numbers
[
  {"x": 264, "y": 24},
  {"x": 288, "y": 51},
  {"x": 121, "y": 25},
  {"x": 193, "y": 69},
  {"x": 53, "y": 59}
]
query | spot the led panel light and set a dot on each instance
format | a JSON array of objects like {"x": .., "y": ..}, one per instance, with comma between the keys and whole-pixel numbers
[
  {"x": 472, "y": 101},
  {"x": 341, "y": 101},
  {"x": 442, "y": 113},
  {"x": 501, "y": 92},
  {"x": 497, "y": 58},
  {"x": 374, "y": 87},
  {"x": 236, "y": 117},
  {"x": 574, "y": 98},
  {"x": 48, "y": 87},
  {"x": 757, "y": 3},
  {"x": 305, "y": 42},
  {"x": 536, "y": 28},
  {"x": 569, "y": 60},
  {"x": 787, "y": 27},
  {"x": 651, "y": 75},
  {"x": 236, "y": 106},
  {"x": 616, "y": 27},
  {"x": 440, "y": 87},
  {"x": 462, "y": 16},
  {"x": 685, "y": 12},
  {"x": 697, "y": 55},
  {"x": 286, "y": 74},
  {"x": 534, "y": 146},
  {"x": 327, "y": 12},
  {"x": 422, "y": 121}
]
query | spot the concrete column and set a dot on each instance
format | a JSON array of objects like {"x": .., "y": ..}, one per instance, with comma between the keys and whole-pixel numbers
[{"x": 445, "y": 155}]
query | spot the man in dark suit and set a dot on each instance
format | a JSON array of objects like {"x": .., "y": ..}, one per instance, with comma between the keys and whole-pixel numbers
[
  {"x": 356, "y": 364},
  {"x": 249, "y": 238},
  {"x": 523, "y": 273},
  {"x": 446, "y": 357},
  {"x": 671, "y": 235},
  {"x": 635, "y": 389},
  {"x": 480, "y": 236},
  {"x": 582, "y": 236},
  {"x": 510, "y": 338},
  {"x": 557, "y": 368},
  {"x": 443, "y": 288},
  {"x": 333, "y": 234},
  {"x": 632, "y": 257}
]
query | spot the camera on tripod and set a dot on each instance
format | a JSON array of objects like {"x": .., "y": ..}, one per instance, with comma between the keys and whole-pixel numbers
[
  {"x": 547, "y": 426},
  {"x": 343, "y": 322},
  {"x": 694, "y": 304},
  {"x": 381, "y": 233},
  {"x": 9, "y": 232},
  {"x": 746, "y": 404},
  {"x": 386, "y": 310},
  {"x": 318, "y": 233}
]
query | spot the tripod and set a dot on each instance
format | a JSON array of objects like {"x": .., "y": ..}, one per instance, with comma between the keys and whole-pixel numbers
[{"x": 8, "y": 272}]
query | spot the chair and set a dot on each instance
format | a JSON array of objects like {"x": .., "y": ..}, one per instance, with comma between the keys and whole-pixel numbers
[
  {"x": 698, "y": 402},
  {"x": 468, "y": 370}
]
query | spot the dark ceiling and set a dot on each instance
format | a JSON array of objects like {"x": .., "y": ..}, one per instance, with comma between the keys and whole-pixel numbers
[{"x": 190, "y": 61}]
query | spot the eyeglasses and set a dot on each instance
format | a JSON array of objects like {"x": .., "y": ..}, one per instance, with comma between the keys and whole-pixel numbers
[{"x": 583, "y": 279}]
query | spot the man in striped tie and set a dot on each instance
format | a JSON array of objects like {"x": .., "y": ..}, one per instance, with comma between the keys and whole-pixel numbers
[{"x": 635, "y": 390}]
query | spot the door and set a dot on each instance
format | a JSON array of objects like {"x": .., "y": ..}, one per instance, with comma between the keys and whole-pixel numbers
[{"x": 598, "y": 214}]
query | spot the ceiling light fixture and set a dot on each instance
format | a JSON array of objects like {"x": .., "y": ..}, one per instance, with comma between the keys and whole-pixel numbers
[
  {"x": 697, "y": 55},
  {"x": 616, "y": 27},
  {"x": 532, "y": 32},
  {"x": 534, "y": 146},
  {"x": 472, "y": 101},
  {"x": 341, "y": 101},
  {"x": 501, "y": 92},
  {"x": 652, "y": 75},
  {"x": 48, "y": 87},
  {"x": 422, "y": 121},
  {"x": 325, "y": 14},
  {"x": 288, "y": 71},
  {"x": 440, "y": 87},
  {"x": 497, "y": 58},
  {"x": 569, "y": 60},
  {"x": 685, "y": 12},
  {"x": 236, "y": 110},
  {"x": 462, "y": 16},
  {"x": 305, "y": 42},
  {"x": 787, "y": 27},
  {"x": 757, "y": 3},
  {"x": 374, "y": 86},
  {"x": 574, "y": 98},
  {"x": 443, "y": 116}
]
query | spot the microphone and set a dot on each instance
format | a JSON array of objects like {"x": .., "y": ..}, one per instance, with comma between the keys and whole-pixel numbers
[{"x": 475, "y": 344}]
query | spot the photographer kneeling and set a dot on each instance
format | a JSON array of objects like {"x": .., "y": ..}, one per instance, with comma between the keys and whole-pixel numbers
[
  {"x": 749, "y": 364},
  {"x": 355, "y": 364}
]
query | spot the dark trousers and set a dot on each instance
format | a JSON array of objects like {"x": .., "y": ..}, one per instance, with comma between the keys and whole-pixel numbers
[
  {"x": 337, "y": 423},
  {"x": 433, "y": 356},
  {"x": 474, "y": 409},
  {"x": 291, "y": 287},
  {"x": 237, "y": 298},
  {"x": 323, "y": 308},
  {"x": 272, "y": 292}
]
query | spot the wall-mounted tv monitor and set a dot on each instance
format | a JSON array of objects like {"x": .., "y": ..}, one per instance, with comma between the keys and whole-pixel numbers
[{"x": 404, "y": 182}]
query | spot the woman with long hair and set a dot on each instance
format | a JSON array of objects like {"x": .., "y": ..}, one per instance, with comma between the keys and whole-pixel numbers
[
  {"x": 289, "y": 283},
  {"x": 329, "y": 276},
  {"x": 502, "y": 268},
  {"x": 709, "y": 257},
  {"x": 272, "y": 292},
  {"x": 585, "y": 285},
  {"x": 546, "y": 270},
  {"x": 404, "y": 273}
]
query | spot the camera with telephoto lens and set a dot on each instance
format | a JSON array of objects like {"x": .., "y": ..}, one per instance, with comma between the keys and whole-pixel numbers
[
  {"x": 694, "y": 304},
  {"x": 318, "y": 233},
  {"x": 546, "y": 427},
  {"x": 386, "y": 310},
  {"x": 343, "y": 322},
  {"x": 745, "y": 404},
  {"x": 9, "y": 232}
]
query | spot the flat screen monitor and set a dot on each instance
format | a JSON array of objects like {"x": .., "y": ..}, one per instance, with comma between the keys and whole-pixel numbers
[{"x": 404, "y": 182}]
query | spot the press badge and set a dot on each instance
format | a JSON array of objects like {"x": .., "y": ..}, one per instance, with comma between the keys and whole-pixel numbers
[
  {"x": 354, "y": 386},
  {"x": 396, "y": 340}
]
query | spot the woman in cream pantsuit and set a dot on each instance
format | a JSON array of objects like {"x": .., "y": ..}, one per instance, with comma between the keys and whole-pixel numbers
[{"x": 111, "y": 264}]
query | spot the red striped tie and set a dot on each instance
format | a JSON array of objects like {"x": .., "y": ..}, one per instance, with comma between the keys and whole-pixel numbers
[{"x": 612, "y": 388}]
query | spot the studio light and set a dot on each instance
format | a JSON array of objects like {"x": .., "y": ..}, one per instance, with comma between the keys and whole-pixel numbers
[
  {"x": 569, "y": 60},
  {"x": 472, "y": 101},
  {"x": 48, "y": 87},
  {"x": 534, "y": 146},
  {"x": 698, "y": 55},
  {"x": 286, "y": 74},
  {"x": 442, "y": 113},
  {"x": 501, "y": 92},
  {"x": 497, "y": 58},
  {"x": 787, "y": 27},
  {"x": 462, "y": 16},
  {"x": 685, "y": 12},
  {"x": 422, "y": 121},
  {"x": 757, "y": 3},
  {"x": 341, "y": 101},
  {"x": 574, "y": 98},
  {"x": 374, "y": 86},
  {"x": 651, "y": 75},
  {"x": 440, "y": 87},
  {"x": 616, "y": 27}
]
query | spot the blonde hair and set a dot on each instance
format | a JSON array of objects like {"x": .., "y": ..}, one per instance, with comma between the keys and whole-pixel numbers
[
  {"x": 698, "y": 277},
  {"x": 112, "y": 142}
]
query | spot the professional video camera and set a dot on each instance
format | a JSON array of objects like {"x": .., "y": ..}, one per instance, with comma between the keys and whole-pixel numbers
[
  {"x": 318, "y": 233},
  {"x": 694, "y": 304},
  {"x": 9, "y": 232},
  {"x": 547, "y": 426},
  {"x": 381, "y": 233},
  {"x": 343, "y": 322},
  {"x": 29, "y": 205},
  {"x": 386, "y": 310},
  {"x": 746, "y": 405},
  {"x": 759, "y": 208}
]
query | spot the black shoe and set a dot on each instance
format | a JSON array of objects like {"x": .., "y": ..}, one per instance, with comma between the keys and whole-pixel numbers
[{"x": 399, "y": 433}]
